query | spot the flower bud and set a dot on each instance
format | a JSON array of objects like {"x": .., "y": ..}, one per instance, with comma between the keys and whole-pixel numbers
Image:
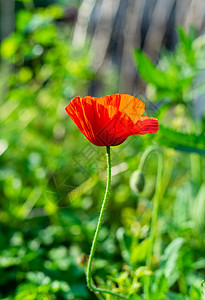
[{"x": 137, "y": 181}]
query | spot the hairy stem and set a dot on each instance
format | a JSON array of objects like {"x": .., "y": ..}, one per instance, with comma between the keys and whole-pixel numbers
[{"x": 90, "y": 284}]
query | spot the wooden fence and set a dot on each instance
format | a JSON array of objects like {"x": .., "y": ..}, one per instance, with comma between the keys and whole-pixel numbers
[{"x": 115, "y": 27}]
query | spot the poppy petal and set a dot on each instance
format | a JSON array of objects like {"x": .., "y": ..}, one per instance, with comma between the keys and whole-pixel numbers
[
  {"x": 92, "y": 118},
  {"x": 147, "y": 125},
  {"x": 127, "y": 104},
  {"x": 109, "y": 120}
]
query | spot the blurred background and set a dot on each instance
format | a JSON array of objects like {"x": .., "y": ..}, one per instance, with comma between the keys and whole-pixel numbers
[{"x": 52, "y": 179}]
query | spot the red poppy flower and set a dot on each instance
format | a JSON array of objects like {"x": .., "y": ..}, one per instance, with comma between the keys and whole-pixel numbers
[{"x": 109, "y": 120}]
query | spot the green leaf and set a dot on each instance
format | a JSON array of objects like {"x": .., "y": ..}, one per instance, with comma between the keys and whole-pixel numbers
[
  {"x": 125, "y": 243},
  {"x": 181, "y": 141},
  {"x": 151, "y": 74},
  {"x": 182, "y": 205},
  {"x": 186, "y": 41},
  {"x": 202, "y": 290},
  {"x": 195, "y": 293},
  {"x": 148, "y": 70},
  {"x": 169, "y": 260},
  {"x": 198, "y": 210},
  {"x": 139, "y": 251},
  {"x": 160, "y": 288}
]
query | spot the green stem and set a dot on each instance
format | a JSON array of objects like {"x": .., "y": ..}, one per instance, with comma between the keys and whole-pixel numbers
[
  {"x": 155, "y": 210},
  {"x": 90, "y": 284}
]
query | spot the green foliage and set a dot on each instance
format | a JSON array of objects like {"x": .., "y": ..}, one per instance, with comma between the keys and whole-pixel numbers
[
  {"x": 44, "y": 71},
  {"x": 181, "y": 141},
  {"x": 52, "y": 180},
  {"x": 160, "y": 288},
  {"x": 176, "y": 72},
  {"x": 176, "y": 81},
  {"x": 169, "y": 261}
]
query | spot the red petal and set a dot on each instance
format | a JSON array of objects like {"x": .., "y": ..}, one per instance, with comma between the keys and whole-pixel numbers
[
  {"x": 108, "y": 121},
  {"x": 147, "y": 125},
  {"x": 126, "y": 104}
]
